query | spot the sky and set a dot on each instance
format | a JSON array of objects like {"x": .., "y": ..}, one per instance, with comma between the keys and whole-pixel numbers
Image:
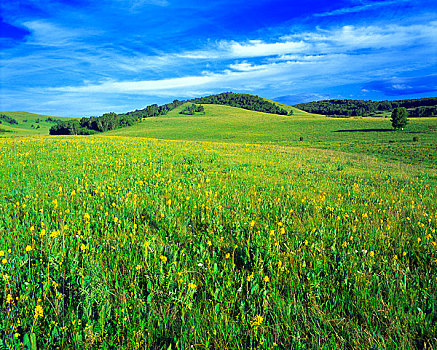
[{"x": 85, "y": 57}]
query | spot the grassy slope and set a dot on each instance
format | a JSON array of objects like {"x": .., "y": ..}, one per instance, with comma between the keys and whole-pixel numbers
[
  {"x": 358, "y": 135},
  {"x": 25, "y": 128}
]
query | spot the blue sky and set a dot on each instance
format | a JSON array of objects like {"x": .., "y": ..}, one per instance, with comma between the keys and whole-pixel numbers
[{"x": 82, "y": 58}]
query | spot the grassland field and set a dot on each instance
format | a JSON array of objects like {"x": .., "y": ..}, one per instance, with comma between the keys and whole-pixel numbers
[
  {"x": 373, "y": 136},
  {"x": 221, "y": 231}
]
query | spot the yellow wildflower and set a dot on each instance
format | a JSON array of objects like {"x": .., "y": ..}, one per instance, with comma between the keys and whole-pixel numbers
[
  {"x": 191, "y": 285},
  {"x": 38, "y": 312},
  {"x": 266, "y": 279},
  {"x": 257, "y": 321},
  {"x": 28, "y": 248},
  {"x": 163, "y": 259}
]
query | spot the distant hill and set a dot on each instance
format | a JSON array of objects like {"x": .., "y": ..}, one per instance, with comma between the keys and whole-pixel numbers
[
  {"x": 25, "y": 123},
  {"x": 423, "y": 107},
  {"x": 245, "y": 101},
  {"x": 111, "y": 121}
]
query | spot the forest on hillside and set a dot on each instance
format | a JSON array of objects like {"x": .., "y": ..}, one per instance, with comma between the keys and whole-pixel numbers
[
  {"x": 245, "y": 101},
  {"x": 110, "y": 121},
  {"x": 423, "y": 107}
]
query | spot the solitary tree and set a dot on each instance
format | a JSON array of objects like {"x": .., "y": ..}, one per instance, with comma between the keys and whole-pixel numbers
[{"x": 399, "y": 118}]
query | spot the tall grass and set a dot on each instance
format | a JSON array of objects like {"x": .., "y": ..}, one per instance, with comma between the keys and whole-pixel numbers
[{"x": 117, "y": 242}]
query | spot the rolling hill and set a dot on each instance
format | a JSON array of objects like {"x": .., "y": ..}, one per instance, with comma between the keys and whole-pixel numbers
[
  {"x": 353, "y": 135},
  {"x": 28, "y": 123}
]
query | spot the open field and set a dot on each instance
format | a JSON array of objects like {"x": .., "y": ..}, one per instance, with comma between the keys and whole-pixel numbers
[
  {"x": 124, "y": 242},
  {"x": 372, "y": 136},
  {"x": 28, "y": 124}
]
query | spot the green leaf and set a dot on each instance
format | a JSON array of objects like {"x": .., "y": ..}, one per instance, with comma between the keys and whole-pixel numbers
[
  {"x": 254, "y": 288},
  {"x": 29, "y": 341}
]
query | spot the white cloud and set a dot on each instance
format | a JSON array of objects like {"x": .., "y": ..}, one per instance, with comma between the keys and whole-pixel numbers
[
  {"x": 359, "y": 8},
  {"x": 337, "y": 40},
  {"x": 49, "y": 34},
  {"x": 324, "y": 57},
  {"x": 258, "y": 48},
  {"x": 291, "y": 64},
  {"x": 245, "y": 67}
]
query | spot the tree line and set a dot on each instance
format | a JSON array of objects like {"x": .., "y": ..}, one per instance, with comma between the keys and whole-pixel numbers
[
  {"x": 245, "y": 101},
  {"x": 423, "y": 112},
  {"x": 110, "y": 121},
  {"x": 420, "y": 107}
]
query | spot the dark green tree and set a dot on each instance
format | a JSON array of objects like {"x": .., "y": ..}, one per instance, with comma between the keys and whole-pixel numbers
[{"x": 399, "y": 118}]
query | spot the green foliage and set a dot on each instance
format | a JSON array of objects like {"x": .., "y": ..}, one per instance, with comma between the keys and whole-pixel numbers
[
  {"x": 246, "y": 101},
  {"x": 192, "y": 109},
  {"x": 423, "y": 112},
  {"x": 7, "y": 119},
  {"x": 362, "y": 108},
  {"x": 399, "y": 118}
]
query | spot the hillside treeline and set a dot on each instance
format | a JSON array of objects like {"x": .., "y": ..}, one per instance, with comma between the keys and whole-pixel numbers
[
  {"x": 423, "y": 112},
  {"x": 420, "y": 107},
  {"x": 155, "y": 110},
  {"x": 245, "y": 101},
  {"x": 110, "y": 121}
]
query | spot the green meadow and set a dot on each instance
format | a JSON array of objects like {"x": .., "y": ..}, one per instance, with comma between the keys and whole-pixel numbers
[
  {"x": 27, "y": 124},
  {"x": 221, "y": 230},
  {"x": 372, "y": 136}
]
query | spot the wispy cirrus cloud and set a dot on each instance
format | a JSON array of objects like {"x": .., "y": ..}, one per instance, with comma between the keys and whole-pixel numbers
[
  {"x": 343, "y": 39},
  {"x": 359, "y": 8},
  {"x": 323, "y": 57}
]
